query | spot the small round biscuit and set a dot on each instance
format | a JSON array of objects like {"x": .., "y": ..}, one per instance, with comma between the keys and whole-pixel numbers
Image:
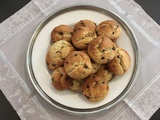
[
  {"x": 76, "y": 85},
  {"x": 61, "y": 32},
  {"x": 120, "y": 63},
  {"x": 60, "y": 80},
  {"x": 95, "y": 88},
  {"x": 82, "y": 36},
  {"x": 57, "y": 53},
  {"x": 86, "y": 23},
  {"x": 95, "y": 66},
  {"x": 109, "y": 28},
  {"x": 78, "y": 65},
  {"x": 103, "y": 72},
  {"x": 50, "y": 64},
  {"x": 101, "y": 50}
]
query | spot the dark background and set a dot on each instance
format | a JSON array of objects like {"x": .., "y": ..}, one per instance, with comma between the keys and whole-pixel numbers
[{"x": 9, "y": 7}]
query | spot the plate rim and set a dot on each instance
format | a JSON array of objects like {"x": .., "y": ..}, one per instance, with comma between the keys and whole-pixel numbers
[{"x": 76, "y": 110}]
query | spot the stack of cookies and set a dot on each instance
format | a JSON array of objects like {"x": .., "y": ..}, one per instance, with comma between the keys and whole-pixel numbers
[{"x": 85, "y": 58}]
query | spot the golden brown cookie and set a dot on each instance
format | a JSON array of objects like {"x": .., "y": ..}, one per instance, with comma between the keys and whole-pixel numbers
[
  {"x": 95, "y": 88},
  {"x": 57, "y": 53},
  {"x": 103, "y": 72},
  {"x": 82, "y": 36},
  {"x": 101, "y": 50},
  {"x": 76, "y": 85},
  {"x": 50, "y": 64},
  {"x": 109, "y": 28},
  {"x": 60, "y": 79},
  {"x": 61, "y": 32},
  {"x": 78, "y": 65},
  {"x": 86, "y": 23},
  {"x": 95, "y": 66},
  {"x": 120, "y": 63}
]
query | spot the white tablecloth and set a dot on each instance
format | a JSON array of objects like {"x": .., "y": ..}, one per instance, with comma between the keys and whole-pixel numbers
[{"x": 15, "y": 33}]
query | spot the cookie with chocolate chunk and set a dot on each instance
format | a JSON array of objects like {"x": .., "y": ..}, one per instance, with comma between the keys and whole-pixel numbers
[
  {"x": 76, "y": 85},
  {"x": 109, "y": 28},
  {"x": 95, "y": 67},
  {"x": 120, "y": 63},
  {"x": 61, "y": 32},
  {"x": 104, "y": 72},
  {"x": 101, "y": 50},
  {"x": 78, "y": 65},
  {"x": 82, "y": 36},
  {"x": 95, "y": 88},
  {"x": 86, "y": 23},
  {"x": 60, "y": 80},
  {"x": 57, "y": 53}
]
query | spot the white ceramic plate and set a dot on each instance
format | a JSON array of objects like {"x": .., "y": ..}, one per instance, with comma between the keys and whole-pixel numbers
[{"x": 70, "y": 101}]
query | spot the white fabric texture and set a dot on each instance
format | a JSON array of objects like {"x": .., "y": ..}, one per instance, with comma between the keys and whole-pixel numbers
[{"x": 15, "y": 33}]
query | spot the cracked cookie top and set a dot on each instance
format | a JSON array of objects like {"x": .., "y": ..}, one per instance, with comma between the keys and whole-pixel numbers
[
  {"x": 109, "y": 28},
  {"x": 82, "y": 36},
  {"x": 95, "y": 88},
  {"x": 57, "y": 53},
  {"x": 78, "y": 65},
  {"x": 60, "y": 80},
  {"x": 120, "y": 63},
  {"x": 61, "y": 32},
  {"x": 101, "y": 49},
  {"x": 86, "y": 23}
]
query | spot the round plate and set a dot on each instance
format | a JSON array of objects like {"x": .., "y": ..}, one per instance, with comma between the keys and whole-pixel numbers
[{"x": 74, "y": 102}]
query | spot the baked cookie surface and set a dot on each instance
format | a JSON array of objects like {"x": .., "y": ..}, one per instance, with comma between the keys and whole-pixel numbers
[
  {"x": 109, "y": 28},
  {"x": 95, "y": 67},
  {"x": 76, "y": 85},
  {"x": 95, "y": 88},
  {"x": 78, "y": 65},
  {"x": 101, "y": 49},
  {"x": 103, "y": 72},
  {"x": 86, "y": 23},
  {"x": 60, "y": 80},
  {"x": 82, "y": 36},
  {"x": 120, "y": 63},
  {"x": 57, "y": 53},
  {"x": 61, "y": 32}
]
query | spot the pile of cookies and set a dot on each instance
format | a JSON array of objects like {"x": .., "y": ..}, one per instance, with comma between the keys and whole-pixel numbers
[{"x": 86, "y": 57}]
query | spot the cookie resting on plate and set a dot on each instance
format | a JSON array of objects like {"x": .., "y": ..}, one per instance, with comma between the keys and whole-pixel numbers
[
  {"x": 101, "y": 50},
  {"x": 60, "y": 80},
  {"x": 109, "y": 28},
  {"x": 61, "y": 32},
  {"x": 95, "y": 88},
  {"x": 82, "y": 36},
  {"x": 120, "y": 63},
  {"x": 57, "y": 53},
  {"x": 78, "y": 65},
  {"x": 86, "y": 23}
]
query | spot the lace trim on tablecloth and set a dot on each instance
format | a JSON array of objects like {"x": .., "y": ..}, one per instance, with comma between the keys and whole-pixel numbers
[
  {"x": 32, "y": 110},
  {"x": 12, "y": 85},
  {"x": 44, "y": 6},
  {"x": 149, "y": 100},
  {"x": 18, "y": 21},
  {"x": 138, "y": 22}
]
